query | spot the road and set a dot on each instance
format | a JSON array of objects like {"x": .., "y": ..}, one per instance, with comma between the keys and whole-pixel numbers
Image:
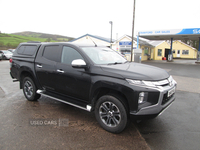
[
  {"x": 39, "y": 125},
  {"x": 178, "y": 127}
]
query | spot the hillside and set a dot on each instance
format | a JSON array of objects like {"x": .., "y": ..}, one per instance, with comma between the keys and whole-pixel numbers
[
  {"x": 45, "y": 35},
  {"x": 12, "y": 40}
]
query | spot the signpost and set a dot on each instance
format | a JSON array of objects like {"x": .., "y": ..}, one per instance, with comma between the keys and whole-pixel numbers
[{"x": 125, "y": 43}]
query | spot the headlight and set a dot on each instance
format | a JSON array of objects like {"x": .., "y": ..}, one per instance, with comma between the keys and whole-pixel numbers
[
  {"x": 142, "y": 83},
  {"x": 134, "y": 81},
  {"x": 169, "y": 81}
]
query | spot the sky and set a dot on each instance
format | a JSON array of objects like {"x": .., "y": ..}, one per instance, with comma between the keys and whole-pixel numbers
[{"x": 75, "y": 18}]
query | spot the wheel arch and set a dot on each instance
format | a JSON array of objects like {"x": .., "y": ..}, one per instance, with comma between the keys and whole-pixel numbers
[
  {"x": 109, "y": 91},
  {"x": 24, "y": 74}
]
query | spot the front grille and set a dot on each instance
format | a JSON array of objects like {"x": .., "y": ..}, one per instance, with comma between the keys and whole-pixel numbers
[
  {"x": 166, "y": 99},
  {"x": 161, "y": 83}
]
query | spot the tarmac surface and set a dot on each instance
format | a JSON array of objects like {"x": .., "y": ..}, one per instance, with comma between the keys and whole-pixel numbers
[
  {"x": 178, "y": 127},
  {"x": 177, "y": 61},
  {"x": 48, "y": 124}
]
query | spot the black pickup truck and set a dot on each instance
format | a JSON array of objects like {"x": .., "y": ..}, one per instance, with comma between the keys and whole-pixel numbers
[{"x": 92, "y": 78}]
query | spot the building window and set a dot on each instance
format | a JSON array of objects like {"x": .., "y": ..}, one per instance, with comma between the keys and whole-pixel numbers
[
  {"x": 174, "y": 51},
  {"x": 185, "y": 52},
  {"x": 146, "y": 51},
  {"x": 125, "y": 49},
  {"x": 159, "y": 52}
]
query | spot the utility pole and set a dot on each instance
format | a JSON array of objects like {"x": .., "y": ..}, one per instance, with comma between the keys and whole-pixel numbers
[
  {"x": 111, "y": 34},
  {"x": 133, "y": 29}
]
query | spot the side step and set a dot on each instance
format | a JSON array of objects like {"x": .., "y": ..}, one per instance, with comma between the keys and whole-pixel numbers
[{"x": 65, "y": 100}]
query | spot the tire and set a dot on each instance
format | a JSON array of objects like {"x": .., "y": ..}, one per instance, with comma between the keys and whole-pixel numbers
[
  {"x": 4, "y": 58},
  {"x": 29, "y": 89},
  {"x": 111, "y": 114}
]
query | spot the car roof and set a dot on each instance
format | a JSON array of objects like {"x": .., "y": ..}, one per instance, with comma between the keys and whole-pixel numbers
[{"x": 69, "y": 43}]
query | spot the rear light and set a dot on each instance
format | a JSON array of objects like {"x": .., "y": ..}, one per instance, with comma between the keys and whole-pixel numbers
[{"x": 10, "y": 60}]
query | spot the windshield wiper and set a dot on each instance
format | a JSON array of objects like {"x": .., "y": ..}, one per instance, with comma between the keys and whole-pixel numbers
[{"x": 115, "y": 63}]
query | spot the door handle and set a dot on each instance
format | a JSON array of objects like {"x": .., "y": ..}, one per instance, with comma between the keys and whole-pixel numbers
[
  {"x": 60, "y": 71},
  {"x": 39, "y": 66}
]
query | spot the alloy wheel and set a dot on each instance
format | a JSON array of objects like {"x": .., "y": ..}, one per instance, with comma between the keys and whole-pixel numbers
[
  {"x": 28, "y": 88},
  {"x": 109, "y": 114}
]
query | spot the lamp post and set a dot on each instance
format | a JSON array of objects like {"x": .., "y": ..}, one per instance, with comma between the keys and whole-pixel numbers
[
  {"x": 111, "y": 34},
  {"x": 133, "y": 30}
]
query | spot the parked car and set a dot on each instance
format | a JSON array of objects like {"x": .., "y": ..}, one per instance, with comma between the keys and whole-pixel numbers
[
  {"x": 6, "y": 54},
  {"x": 11, "y": 50}
]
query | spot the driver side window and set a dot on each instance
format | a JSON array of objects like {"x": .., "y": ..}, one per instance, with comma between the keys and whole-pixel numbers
[{"x": 69, "y": 54}]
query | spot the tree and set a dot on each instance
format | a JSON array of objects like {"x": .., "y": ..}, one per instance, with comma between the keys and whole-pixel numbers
[
  {"x": 192, "y": 43},
  {"x": 48, "y": 40}
]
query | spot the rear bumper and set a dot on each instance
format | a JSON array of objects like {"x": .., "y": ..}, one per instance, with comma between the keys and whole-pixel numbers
[{"x": 12, "y": 76}]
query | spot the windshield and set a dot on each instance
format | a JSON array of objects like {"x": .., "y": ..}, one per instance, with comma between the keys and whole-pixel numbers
[
  {"x": 7, "y": 52},
  {"x": 101, "y": 55}
]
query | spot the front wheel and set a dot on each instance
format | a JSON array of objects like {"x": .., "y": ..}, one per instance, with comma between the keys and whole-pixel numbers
[
  {"x": 29, "y": 89},
  {"x": 111, "y": 114}
]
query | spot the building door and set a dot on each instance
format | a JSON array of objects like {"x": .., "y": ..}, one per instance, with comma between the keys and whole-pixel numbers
[
  {"x": 178, "y": 53},
  {"x": 167, "y": 53}
]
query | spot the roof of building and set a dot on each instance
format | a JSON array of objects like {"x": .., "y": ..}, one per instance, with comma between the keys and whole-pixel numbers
[
  {"x": 155, "y": 43},
  {"x": 95, "y": 36},
  {"x": 141, "y": 41},
  {"x": 185, "y": 44}
]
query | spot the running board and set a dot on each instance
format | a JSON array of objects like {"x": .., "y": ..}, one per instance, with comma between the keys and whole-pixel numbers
[{"x": 87, "y": 108}]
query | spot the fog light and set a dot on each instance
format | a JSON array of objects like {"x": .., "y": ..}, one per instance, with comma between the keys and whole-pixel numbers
[{"x": 141, "y": 98}]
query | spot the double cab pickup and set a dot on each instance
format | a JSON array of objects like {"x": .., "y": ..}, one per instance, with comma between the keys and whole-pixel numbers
[{"x": 93, "y": 78}]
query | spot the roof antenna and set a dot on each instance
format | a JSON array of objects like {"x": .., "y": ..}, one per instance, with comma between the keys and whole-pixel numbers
[{"x": 93, "y": 42}]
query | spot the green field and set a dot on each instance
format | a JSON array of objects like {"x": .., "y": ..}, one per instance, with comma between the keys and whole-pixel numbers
[{"x": 12, "y": 41}]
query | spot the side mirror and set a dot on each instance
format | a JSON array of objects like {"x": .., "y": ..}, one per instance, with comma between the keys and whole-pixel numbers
[{"x": 78, "y": 63}]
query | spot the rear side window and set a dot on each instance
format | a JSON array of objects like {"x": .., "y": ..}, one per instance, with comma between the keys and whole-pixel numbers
[
  {"x": 27, "y": 50},
  {"x": 52, "y": 53}
]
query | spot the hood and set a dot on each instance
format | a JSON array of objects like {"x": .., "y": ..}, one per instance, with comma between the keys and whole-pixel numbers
[{"x": 136, "y": 71}]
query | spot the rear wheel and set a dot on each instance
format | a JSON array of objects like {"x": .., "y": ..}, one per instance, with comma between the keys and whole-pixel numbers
[
  {"x": 111, "y": 114},
  {"x": 4, "y": 57},
  {"x": 29, "y": 89}
]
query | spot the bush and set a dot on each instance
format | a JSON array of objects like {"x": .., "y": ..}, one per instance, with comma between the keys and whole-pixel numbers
[
  {"x": 48, "y": 40},
  {"x": 9, "y": 45}
]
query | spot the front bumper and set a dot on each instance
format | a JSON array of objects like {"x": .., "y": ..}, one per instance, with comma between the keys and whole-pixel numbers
[{"x": 164, "y": 102}]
